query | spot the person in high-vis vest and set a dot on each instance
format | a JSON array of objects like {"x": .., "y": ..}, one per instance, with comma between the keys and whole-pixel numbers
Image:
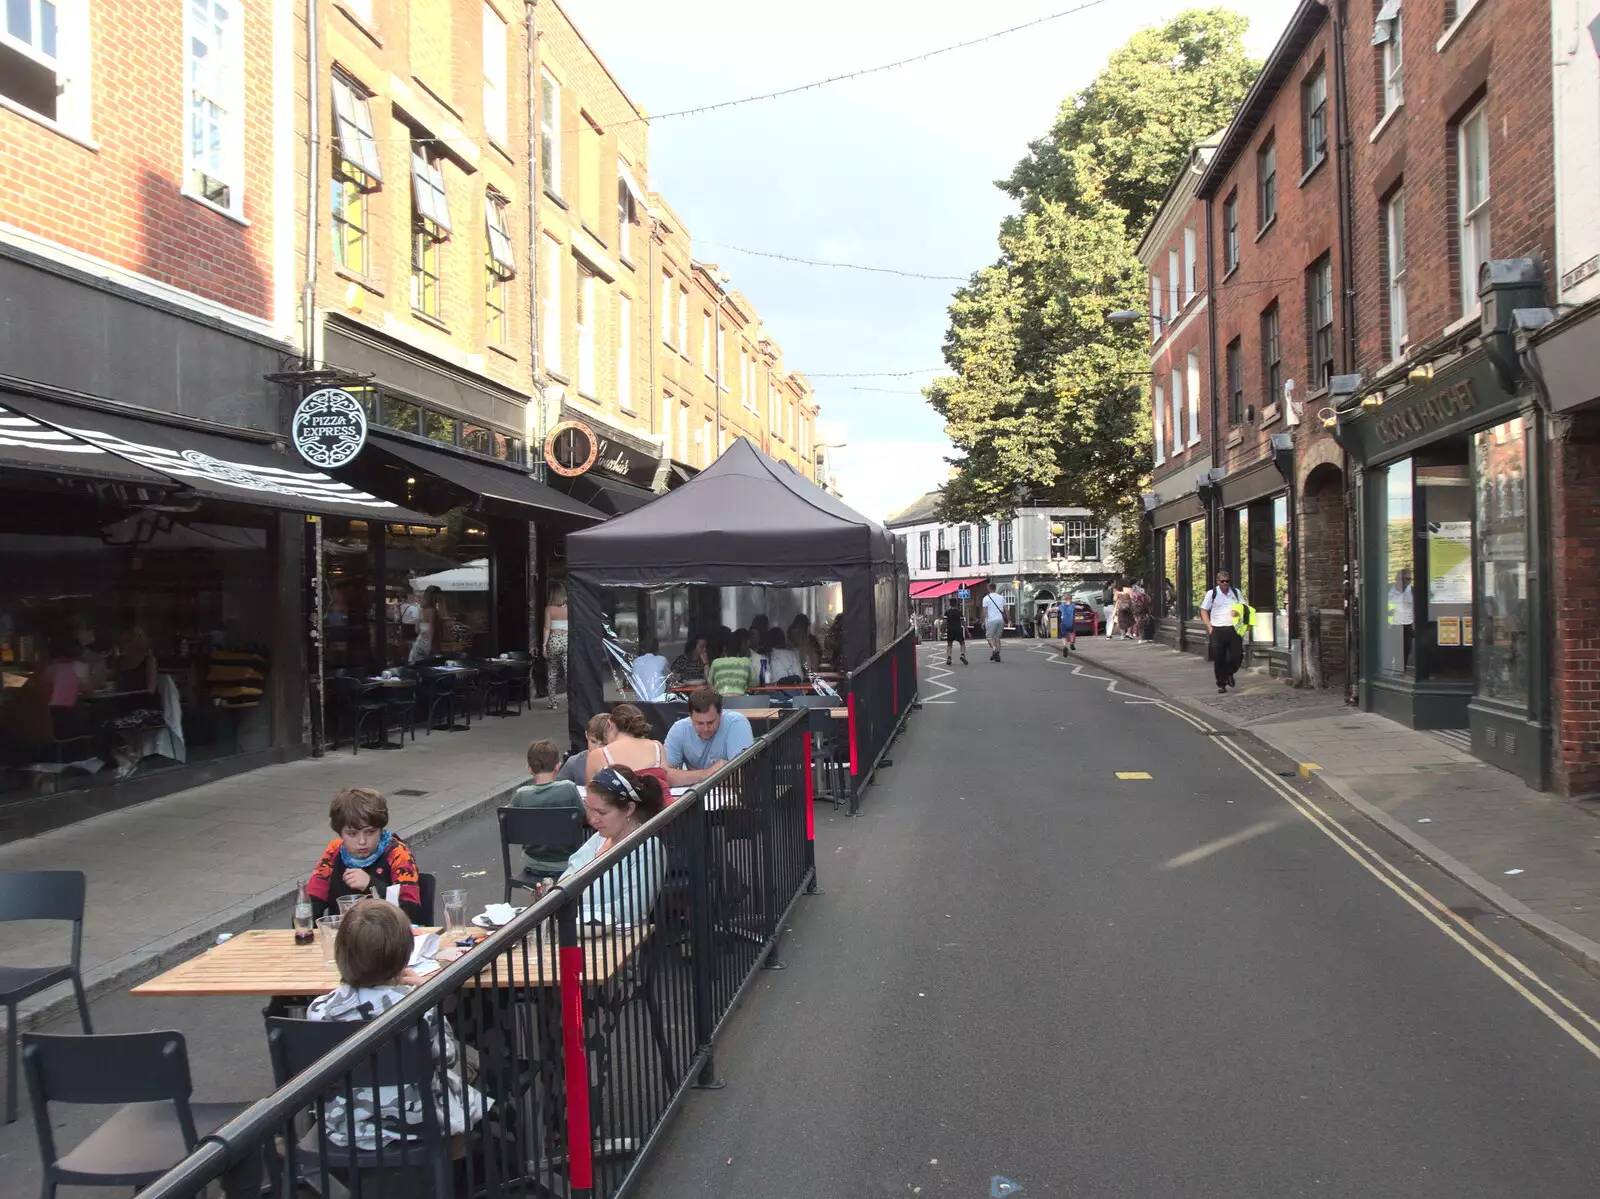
[{"x": 1226, "y": 649}]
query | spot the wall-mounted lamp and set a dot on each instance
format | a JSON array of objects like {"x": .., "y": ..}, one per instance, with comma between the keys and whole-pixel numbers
[
  {"x": 1329, "y": 419},
  {"x": 1283, "y": 455},
  {"x": 1421, "y": 373},
  {"x": 1372, "y": 399}
]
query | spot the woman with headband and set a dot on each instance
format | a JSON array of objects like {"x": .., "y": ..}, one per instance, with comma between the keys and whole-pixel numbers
[{"x": 616, "y": 802}]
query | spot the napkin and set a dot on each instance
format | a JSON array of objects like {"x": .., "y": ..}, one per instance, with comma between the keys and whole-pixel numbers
[
  {"x": 499, "y": 913},
  {"x": 423, "y": 947}
]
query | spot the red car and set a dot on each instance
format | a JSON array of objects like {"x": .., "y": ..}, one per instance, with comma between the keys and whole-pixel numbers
[{"x": 1085, "y": 619}]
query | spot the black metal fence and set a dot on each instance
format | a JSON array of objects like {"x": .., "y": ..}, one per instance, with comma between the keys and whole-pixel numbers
[
  {"x": 547, "y": 1060},
  {"x": 879, "y": 695}
]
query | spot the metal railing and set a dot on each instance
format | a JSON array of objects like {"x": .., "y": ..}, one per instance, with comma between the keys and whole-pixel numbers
[
  {"x": 879, "y": 695},
  {"x": 549, "y": 1058}
]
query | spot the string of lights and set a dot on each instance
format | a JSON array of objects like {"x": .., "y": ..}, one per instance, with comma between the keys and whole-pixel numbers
[
  {"x": 926, "y": 370},
  {"x": 842, "y": 266}
]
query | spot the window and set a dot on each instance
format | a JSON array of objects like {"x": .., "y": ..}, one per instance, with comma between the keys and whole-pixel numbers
[
  {"x": 1177, "y": 411},
  {"x": 625, "y": 353},
  {"x": 500, "y": 268},
  {"x": 1386, "y": 33},
  {"x": 627, "y": 215},
  {"x": 430, "y": 206},
  {"x": 1083, "y": 538},
  {"x": 436, "y": 426},
  {"x": 551, "y": 326},
  {"x": 354, "y": 143},
  {"x": 424, "y": 271},
  {"x": 401, "y": 414},
  {"x": 1172, "y": 285},
  {"x": 1236, "y": 381},
  {"x": 706, "y": 452},
  {"x": 1190, "y": 265},
  {"x": 983, "y": 545},
  {"x": 549, "y": 134},
  {"x": 1005, "y": 542},
  {"x": 589, "y": 174},
  {"x": 1161, "y": 424},
  {"x": 214, "y": 158},
  {"x": 349, "y": 221},
  {"x": 475, "y": 438},
  {"x": 1314, "y": 119},
  {"x": 1271, "y": 354},
  {"x": 1230, "y": 231},
  {"x": 924, "y": 551},
  {"x": 666, "y": 308},
  {"x": 747, "y": 378},
  {"x": 683, "y": 432},
  {"x": 722, "y": 358},
  {"x": 964, "y": 546},
  {"x": 683, "y": 321},
  {"x": 1058, "y": 538},
  {"x": 1472, "y": 137},
  {"x": 584, "y": 318},
  {"x": 941, "y": 539},
  {"x": 774, "y": 414},
  {"x": 1319, "y": 318},
  {"x": 44, "y": 60},
  {"x": 705, "y": 342},
  {"x": 1394, "y": 221},
  {"x": 1155, "y": 307},
  {"x": 1266, "y": 184},
  {"x": 495, "y": 94},
  {"x": 1193, "y": 387}
]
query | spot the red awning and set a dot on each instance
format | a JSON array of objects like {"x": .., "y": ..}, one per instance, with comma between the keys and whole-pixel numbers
[{"x": 935, "y": 588}]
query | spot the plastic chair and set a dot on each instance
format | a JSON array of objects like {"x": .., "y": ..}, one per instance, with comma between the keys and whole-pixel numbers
[
  {"x": 297, "y": 1045},
  {"x": 143, "y": 1072},
  {"x": 39, "y": 895},
  {"x": 558, "y": 828}
]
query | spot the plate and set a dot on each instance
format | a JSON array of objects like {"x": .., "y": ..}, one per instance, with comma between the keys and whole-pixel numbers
[{"x": 482, "y": 919}]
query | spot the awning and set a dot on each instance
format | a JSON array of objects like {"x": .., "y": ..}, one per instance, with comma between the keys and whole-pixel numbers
[
  {"x": 473, "y": 576},
  {"x": 611, "y": 496},
  {"x": 214, "y": 465},
  {"x": 501, "y": 490},
  {"x": 28, "y": 444},
  {"x": 936, "y": 588}
]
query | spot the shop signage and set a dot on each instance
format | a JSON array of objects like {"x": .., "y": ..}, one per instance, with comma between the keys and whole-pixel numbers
[
  {"x": 571, "y": 448},
  {"x": 329, "y": 428},
  {"x": 1438, "y": 409}
]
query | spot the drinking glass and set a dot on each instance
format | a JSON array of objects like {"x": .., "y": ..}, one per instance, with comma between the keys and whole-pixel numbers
[
  {"x": 346, "y": 902},
  {"x": 327, "y": 932},
  {"x": 455, "y": 910}
]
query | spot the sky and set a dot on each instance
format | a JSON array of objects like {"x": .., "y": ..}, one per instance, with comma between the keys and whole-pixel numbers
[{"x": 893, "y": 170}]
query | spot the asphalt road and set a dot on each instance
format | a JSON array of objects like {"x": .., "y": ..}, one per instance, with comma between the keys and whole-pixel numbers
[{"x": 1024, "y": 967}]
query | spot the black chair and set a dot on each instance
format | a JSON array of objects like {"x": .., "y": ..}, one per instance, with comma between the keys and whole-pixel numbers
[
  {"x": 147, "y": 1074},
  {"x": 831, "y": 761},
  {"x": 558, "y": 828},
  {"x": 496, "y": 686},
  {"x": 519, "y": 679},
  {"x": 402, "y": 704},
  {"x": 39, "y": 895},
  {"x": 428, "y": 885},
  {"x": 358, "y": 702},
  {"x": 296, "y": 1045},
  {"x": 440, "y": 692}
]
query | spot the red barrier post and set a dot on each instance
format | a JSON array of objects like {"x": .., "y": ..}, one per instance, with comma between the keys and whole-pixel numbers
[
  {"x": 580, "y": 1147},
  {"x": 855, "y": 757},
  {"x": 811, "y": 815}
]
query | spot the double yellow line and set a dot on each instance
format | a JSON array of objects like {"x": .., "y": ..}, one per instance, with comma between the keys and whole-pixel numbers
[{"x": 1510, "y": 969}]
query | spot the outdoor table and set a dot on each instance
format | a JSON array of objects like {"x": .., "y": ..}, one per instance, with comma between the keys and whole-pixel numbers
[
  {"x": 267, "y": 962},
  {"x": 775, "y": 713}
]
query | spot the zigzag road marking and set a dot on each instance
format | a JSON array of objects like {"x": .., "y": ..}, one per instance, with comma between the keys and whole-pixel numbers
[
  {"x": 1055, "y": 659},
  {"x": 937, "y": 672}
]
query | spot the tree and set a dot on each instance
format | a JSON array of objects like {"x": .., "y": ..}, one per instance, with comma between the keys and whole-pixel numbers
[{"x": 1044, "y": 393}]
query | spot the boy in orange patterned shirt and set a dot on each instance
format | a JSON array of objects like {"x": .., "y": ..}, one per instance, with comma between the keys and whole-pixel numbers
[{"x": 366, "y": 857}]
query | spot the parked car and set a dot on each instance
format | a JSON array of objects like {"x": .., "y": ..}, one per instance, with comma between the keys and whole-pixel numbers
[{"x": 1085, "y": 618}]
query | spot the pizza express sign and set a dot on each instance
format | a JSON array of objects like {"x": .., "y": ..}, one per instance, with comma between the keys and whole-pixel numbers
[
  {"x": 329, "y": 428},
  {"x": 573, "y": 448}
]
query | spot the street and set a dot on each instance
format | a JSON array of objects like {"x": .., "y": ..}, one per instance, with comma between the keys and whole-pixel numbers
[{"x": 1026, "y": 968}]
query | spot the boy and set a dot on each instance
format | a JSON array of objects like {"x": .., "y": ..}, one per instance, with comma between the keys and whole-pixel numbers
[
  {"x": 955, "y": 630},
  {"x": 546, "y": 791},
  {"x": 373, "y": 952},
  {"x": 367, "y": 857}
]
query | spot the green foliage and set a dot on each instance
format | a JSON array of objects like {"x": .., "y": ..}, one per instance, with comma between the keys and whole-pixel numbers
[{"x": 1046, "y": 394}]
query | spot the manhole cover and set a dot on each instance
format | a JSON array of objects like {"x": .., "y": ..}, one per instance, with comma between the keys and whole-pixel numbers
[{"x": 410, "y": 792}]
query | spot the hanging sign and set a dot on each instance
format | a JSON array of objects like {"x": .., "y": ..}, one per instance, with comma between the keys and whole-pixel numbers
[
  {"x": 329, "y": 428},
  {"x": 571, "y": 448}
]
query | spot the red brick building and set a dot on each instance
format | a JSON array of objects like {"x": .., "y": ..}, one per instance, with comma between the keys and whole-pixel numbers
[
  {"x": 1278, "y": 337},
  {"x": 1173, "y": 252}
]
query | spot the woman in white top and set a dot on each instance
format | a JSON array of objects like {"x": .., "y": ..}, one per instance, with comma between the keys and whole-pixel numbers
[
  {"x": 649, "y": 673},
  {"x": 430, "y": 623},
  {"x": 779, "y": 664},
  {"x": 616, "y": 802},
  {"x": 555, "y": 641}
]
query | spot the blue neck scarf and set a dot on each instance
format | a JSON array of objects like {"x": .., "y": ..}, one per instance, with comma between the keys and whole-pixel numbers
[{"x": 362, "y": 863}]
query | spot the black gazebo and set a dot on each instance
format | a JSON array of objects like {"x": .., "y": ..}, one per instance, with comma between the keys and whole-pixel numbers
[{"x": 746, "y": 520}]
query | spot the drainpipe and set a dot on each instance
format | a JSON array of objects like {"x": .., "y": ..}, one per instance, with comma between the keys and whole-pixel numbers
[
  {"x": 1348, "y": 348},
  {"x": 308, "y": 298},
  {"x": 535, "y": 244},
  {"x": 1217, "y": 534}
]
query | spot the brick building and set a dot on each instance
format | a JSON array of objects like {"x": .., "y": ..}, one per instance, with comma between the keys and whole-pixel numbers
[{"x": 1452, "y": 222}]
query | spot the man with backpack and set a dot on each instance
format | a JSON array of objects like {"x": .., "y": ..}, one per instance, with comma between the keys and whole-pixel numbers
[
  {"x": 955, "y": 630},
  {"x": 1226, "y": 646}
]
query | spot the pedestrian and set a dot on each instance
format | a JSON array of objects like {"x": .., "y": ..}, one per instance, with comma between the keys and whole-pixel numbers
[
  {"x": 1123, "y": 605},
  {"x": 955, "y": 631},
  {"x": 1068, "y": 615},
  {"x": 994, "y": 620},
  {"x": 546, "y": 791},
  {"x": 1226, "y": 648},
  {"x": 1141, "y": 610}
]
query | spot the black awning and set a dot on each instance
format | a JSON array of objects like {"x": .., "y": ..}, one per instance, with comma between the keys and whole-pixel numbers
[
  {"x": 31, "y": 445},
  {"x": 611, "y": 496},
  {"x": 215, "y": 465},
  {"x": 501, "y": 490},
  {"x": 679, "y": 475}
]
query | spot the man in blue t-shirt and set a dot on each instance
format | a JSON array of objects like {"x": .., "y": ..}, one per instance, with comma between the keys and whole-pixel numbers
[{"x": 701, "y": 743}]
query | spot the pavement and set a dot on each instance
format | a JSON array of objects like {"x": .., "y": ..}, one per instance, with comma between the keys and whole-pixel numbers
[
  {"x": 1530, "y": 854},
  {"x": 167, "y": 876},
  {"x": 1074, "y": 945}
]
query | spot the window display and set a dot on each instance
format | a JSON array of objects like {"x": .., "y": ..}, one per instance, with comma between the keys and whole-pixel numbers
[
  {"x": 1396, "y": 618},
  {"x": 1502, "y": 634}
]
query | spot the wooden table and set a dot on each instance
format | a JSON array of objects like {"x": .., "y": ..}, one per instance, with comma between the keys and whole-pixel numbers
[
  {"x": 775, "y": 713},
  {"x": 267, "y": 962}
]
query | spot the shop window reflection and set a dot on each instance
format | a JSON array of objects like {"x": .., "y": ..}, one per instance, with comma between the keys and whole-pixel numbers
[
  {"x": 1280, "y": 571},
  {"x": 1198, "y": 582},
  {"x": 1170, "y": 572},
  {"x": 475, "y": 438},
  {"x": 1444, "y": 503},
  {"x": 436, "y": 426},
  {"x": 401, "y": 414},
  {"x": 1502, "y": 514}
]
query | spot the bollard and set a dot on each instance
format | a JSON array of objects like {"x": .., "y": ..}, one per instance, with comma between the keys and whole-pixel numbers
[{"x": 580, "y": 1135}]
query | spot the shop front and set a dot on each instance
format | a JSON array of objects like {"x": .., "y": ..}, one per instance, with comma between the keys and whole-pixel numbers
[
  {"x": 608, "y": 468},
  {"x": 1257, "y": 549},
  {"x": 1453, "y": 597},
  {"x": 1181, "y": 572}
]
